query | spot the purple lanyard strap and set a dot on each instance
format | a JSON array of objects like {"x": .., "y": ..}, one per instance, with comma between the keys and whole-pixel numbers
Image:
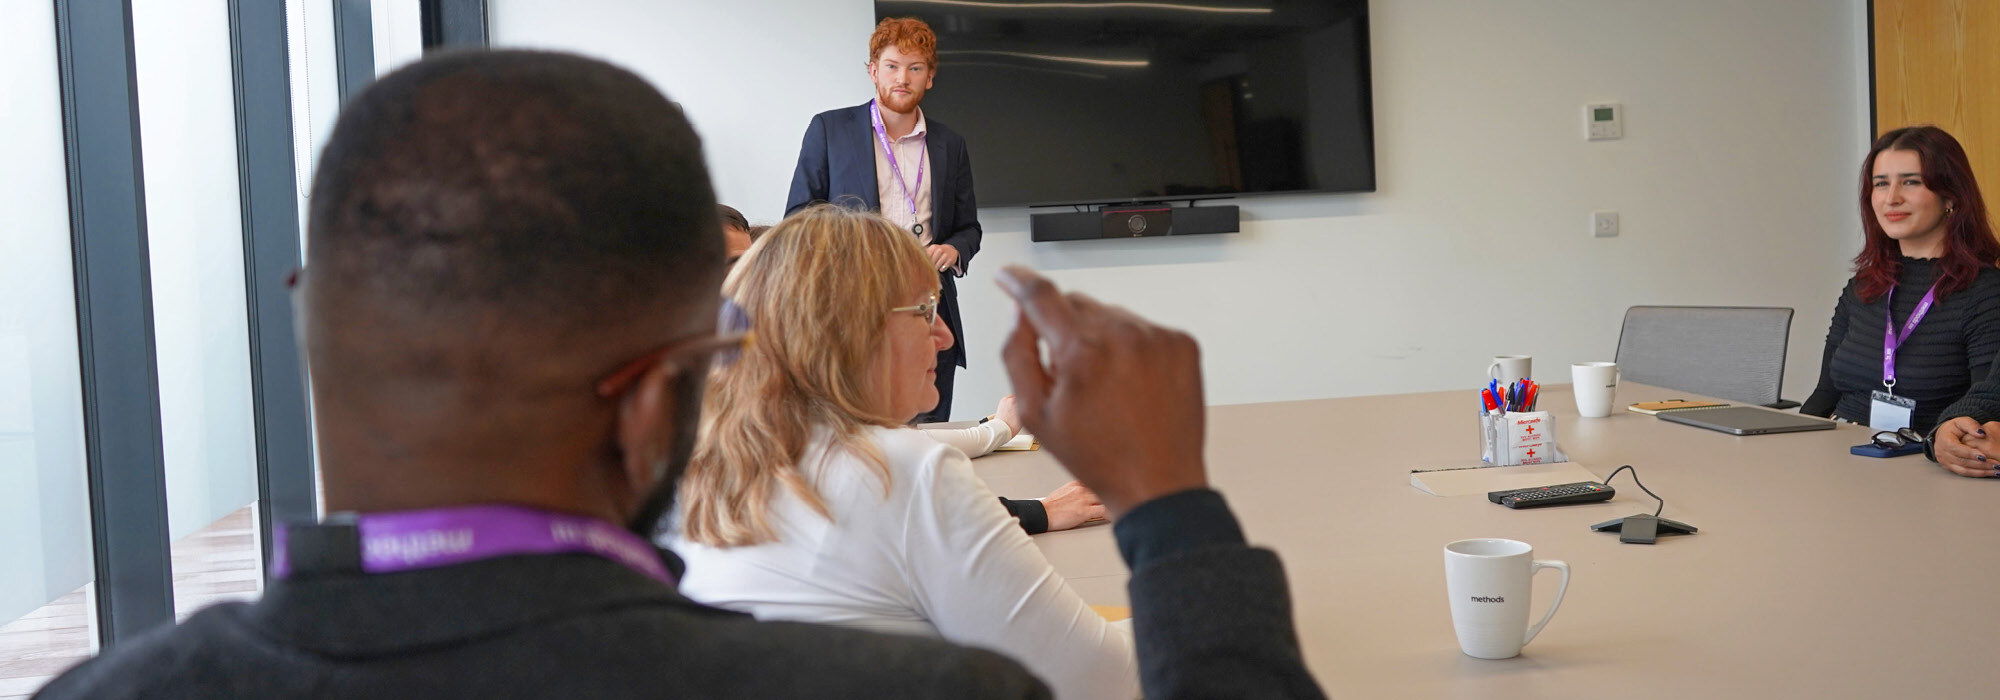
[
  {"x": 423, "y": 539},
  {"x": 882, "y": 136},
  {"x": 1891, "y": 340}
]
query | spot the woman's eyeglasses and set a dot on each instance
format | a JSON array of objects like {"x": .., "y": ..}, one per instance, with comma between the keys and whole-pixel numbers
[
  {"x": 928, "y": 308},
  {"x": 1892, "y": 439}
]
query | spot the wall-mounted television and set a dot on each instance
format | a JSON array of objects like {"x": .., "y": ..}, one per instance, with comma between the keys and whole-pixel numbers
[{"x": 1090, "y": 102}]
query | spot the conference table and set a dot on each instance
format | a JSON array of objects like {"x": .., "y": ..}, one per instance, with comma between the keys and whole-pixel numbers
[{"x": 1816, "y": 573}]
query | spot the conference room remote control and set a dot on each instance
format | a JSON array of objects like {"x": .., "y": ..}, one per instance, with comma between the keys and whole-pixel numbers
[{"x": 1557, "y": 495}]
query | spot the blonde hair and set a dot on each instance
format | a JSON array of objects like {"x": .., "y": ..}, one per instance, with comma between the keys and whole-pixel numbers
[{"x": 818, "y": 287}]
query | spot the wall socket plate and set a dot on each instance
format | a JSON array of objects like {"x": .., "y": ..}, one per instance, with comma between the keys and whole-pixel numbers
[{"x": 1604, "y": 224}]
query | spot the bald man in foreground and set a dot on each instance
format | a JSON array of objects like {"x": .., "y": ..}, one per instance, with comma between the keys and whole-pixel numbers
[{"x": 508, "y": 308}]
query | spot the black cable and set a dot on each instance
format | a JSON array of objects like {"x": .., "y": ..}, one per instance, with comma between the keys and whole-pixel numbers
[{"x": 1642, "y": 487}]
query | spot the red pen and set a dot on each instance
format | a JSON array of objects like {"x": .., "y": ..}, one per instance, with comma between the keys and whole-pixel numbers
[
  {"x": 1486, "y": 395},
  {"x": 1533, "y": 391}
]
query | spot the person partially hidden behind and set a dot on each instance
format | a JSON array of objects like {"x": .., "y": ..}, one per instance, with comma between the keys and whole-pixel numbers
[
  {"x": 1920, "y": 320},
  {"x": 735, "y": 232},
  {"x": 1069, "y": 506},
  {"x": 887, "y": 155},
  {"x": 508, "y": 307}
]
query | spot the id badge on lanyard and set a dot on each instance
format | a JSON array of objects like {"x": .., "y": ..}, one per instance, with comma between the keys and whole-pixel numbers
[
  {"x": 1886, "y": 410},
  {"x": 1890, "y": 412}
]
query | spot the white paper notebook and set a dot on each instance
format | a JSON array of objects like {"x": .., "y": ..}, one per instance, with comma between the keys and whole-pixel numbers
[{"x": 1021, "y": 443}]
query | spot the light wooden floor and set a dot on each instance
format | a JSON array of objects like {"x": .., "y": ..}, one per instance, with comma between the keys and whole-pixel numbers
[{"x": 217, "y": 564}]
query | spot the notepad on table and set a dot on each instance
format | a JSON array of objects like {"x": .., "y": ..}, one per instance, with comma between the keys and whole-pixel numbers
[
  {"x": 1654, "y": 408},
  {"x": 1021, "y": 443}
]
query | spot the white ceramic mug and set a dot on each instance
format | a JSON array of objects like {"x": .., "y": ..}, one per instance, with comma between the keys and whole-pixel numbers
[
  {"x": 1508, "y": 369},
  {"x": 1594, "y": 383},
  {"x": 1488, "y": 581}
]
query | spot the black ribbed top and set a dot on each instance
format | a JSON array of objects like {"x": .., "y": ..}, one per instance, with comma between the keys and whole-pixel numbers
[{"x": 1951, "y": 348}]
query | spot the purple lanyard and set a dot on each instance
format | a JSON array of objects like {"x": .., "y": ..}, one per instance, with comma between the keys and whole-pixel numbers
[
  {"x": 1890, "y": 339},
  {"x": 422, "y": 539},
  {"x": 882, "y": 135}
]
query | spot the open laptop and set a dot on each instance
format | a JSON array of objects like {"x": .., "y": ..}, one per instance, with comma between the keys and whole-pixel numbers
[{"x": 1746, "y": 420}]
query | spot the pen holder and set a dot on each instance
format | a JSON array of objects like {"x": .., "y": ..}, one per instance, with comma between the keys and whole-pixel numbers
[{"x": 1513, "y": 438}]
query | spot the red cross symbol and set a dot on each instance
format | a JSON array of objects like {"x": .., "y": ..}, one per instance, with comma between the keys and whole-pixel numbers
[
  {"x": 1531, "y": 452},
  {"x": 1531, "y": 430}
]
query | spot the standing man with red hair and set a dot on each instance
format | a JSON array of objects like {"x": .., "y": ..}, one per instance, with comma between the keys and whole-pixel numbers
[{"x": 885, "y": 156}]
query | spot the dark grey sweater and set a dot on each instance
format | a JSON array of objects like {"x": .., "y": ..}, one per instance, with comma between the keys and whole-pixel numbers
[
  {"x": 1981, "y": 402},
  {"x": 1953, "y": 346},
  {"x": 1212, "y": 615}
]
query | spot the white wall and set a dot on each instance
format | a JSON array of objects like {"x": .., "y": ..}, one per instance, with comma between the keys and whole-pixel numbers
[
  {"x": 44, "y": 506},
  {"x": 1745, "y": 125},
  {"x": 750, "y": 73}
]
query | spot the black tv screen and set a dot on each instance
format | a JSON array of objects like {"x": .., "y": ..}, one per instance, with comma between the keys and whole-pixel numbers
[{"x": 1066, "y": 103}]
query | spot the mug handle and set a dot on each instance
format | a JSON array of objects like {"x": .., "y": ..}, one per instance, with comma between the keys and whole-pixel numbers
[
  {"x": 1558, "y": 565},
  {"x": 1492, "y": 370}
]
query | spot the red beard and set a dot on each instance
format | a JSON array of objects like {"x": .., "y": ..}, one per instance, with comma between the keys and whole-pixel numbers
[{"x": 904, "y": 103}]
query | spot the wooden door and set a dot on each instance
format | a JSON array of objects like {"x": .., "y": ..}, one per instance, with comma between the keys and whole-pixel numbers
[{"x": 1938, "y": 62}]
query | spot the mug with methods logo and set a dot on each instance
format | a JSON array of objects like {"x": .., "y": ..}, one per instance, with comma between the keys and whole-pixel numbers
[{"x": 1489, "y": 582}]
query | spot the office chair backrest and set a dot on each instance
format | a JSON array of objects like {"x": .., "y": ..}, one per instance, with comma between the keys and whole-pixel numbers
[{"x": 1728, "y": 352}]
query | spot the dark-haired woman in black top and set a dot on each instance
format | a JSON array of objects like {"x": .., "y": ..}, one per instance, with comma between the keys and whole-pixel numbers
[{"x": 1920, "y": 320}]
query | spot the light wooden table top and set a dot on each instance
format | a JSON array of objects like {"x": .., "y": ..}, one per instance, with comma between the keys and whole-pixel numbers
[{"x": 1816, "y": 573}]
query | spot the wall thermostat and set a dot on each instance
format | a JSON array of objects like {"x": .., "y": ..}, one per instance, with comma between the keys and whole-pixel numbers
[{"x": 1603, "y": 121}]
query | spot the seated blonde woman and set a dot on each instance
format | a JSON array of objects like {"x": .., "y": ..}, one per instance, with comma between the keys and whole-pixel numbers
[{"x": 808, "y": 499}]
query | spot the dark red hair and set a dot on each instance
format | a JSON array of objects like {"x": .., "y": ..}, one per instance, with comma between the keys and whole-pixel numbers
[{"x": 1968, "y": 238}]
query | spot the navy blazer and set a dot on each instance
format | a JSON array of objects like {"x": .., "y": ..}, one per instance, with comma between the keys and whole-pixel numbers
[{"x": 837, "y": 164}]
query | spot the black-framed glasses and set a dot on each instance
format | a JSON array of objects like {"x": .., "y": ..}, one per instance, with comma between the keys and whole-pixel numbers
[
  {"x": 928, "y": 308},
  {"x": 1892, "y": 439}
]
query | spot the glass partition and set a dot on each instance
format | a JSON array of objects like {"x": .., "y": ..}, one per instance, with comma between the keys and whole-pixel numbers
[{"x": 45, "y": 543}]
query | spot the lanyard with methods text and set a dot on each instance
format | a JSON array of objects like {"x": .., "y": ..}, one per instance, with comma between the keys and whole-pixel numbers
[
  {"x": 882, "y": 135},
  {"x": 1891, "y": 339},
  {"x": 423, "y": 539}
]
